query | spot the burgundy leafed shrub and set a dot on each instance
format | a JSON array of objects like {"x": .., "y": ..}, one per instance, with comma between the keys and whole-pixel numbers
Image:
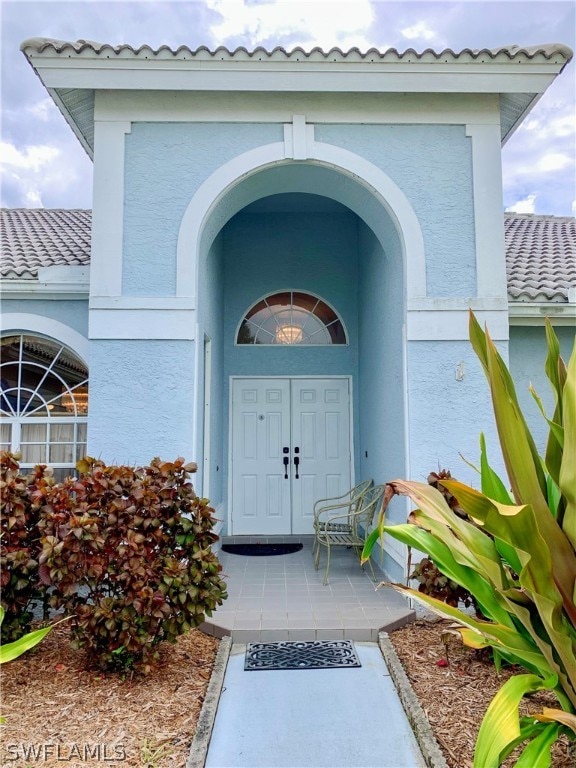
[
  {"x": 128, "y": 552},
  {"x": 19, "y": 546},
  {"x": 431, "y": 581}
]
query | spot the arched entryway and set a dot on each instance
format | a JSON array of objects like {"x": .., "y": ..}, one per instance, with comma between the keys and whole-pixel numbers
[{"x": 298, "y": 226}]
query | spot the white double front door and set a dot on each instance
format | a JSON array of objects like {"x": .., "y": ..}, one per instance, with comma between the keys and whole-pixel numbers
[{"x": 290, "y": 447}]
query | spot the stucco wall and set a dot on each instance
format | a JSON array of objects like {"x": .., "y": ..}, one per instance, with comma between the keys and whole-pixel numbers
[
  {"x": 141, "y": 400},
  {"x": 269, "y": 252},
  {"x": 382, "y": 446},
  {"x": 381, "y": 379},
  {"x": 72, "y": 313},
  {"x": 165, "y": 165},
  {"x": 432, "y": 165},
  {"x": 527, "y": 357},
  {"x": 446, "y": 415}
]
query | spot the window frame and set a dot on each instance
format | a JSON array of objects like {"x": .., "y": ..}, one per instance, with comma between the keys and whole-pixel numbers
[
  {"x": 316, "y": 298},
  {"x": 17, "y": 417}
]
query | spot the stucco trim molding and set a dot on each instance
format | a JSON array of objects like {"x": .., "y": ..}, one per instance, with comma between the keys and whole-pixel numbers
[
  {"x": 108, "y": 213},
  {"x": 365, "y": 173},
  {"x": 450, "y": 324},
  {"x": 17, "y": 322},
  {"x": 488, "y": 206},
  {"x": 142, "y": 323}
]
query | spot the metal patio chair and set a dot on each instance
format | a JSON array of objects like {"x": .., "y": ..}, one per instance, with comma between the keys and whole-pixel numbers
[
  {"x": 347, "y": 501},
  {"x": 346, "y": 525}
]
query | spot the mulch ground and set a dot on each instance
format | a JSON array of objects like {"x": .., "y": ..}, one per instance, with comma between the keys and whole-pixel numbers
[
  {"x": 48, "y": 698},
  {"x": 455, "y": 685}
]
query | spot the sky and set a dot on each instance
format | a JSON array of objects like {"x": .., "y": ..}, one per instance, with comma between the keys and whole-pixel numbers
[{"x": 43, "y": 165}]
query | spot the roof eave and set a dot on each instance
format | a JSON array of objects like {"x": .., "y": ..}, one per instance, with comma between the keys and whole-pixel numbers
[
  {"x": 32, "y": 289},
  {"x": 65, "y": 67},
  {"x": 69, "y": 117},
  {"x": 509, "y": 131},
  {"x": 536, "y": 312}
]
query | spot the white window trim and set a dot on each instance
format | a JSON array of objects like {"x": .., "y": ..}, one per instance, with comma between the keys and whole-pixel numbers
[
  {"x": 18, "y": 420},
  {"x": 15, "y": 323},
  {"x": 296, "y": 346}
]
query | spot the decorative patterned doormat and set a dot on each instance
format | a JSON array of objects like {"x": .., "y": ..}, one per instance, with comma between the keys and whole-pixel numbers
[
  {"x": 312, "y": 654},
  {"x": 261, "y": 550}
]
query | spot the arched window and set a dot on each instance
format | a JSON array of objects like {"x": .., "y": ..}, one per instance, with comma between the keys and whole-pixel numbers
[
  {"x": 43, "y": 403},
  {"x": 291, "y": 318}
]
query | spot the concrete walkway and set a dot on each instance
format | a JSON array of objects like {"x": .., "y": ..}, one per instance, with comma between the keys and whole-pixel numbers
[{"x": 326, "y": 718}]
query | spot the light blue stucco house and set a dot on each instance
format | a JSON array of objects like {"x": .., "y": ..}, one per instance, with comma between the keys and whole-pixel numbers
[{"x": 284, "y": 251}]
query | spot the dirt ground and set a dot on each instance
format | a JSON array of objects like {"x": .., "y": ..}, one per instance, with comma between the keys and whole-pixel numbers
[{"x": 101, "y": 720}]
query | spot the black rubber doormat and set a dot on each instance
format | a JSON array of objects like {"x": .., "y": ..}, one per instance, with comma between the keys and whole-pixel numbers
[
  {"x": 261, "y": 550},
  {"x": 312, "y": 654}
]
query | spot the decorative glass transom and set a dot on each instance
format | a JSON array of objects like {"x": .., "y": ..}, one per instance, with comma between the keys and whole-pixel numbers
[
  {"x": 43, "y": 402},
  {"x": 290, "y": 318}
]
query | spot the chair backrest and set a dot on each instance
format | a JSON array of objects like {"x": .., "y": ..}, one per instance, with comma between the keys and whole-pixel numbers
[
  {"x": 358, "y": 493},
  {"x": 369, "y": 505}
]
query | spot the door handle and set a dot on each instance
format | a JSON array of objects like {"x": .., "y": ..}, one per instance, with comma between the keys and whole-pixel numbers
[
  {"x": 286, "y": 462},
  {"x": 296, "y": 464}
]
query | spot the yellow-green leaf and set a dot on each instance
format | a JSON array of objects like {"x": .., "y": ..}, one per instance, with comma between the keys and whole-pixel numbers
[
  {"x": 537, "y": 753},
  {"x": 501, "y": 724},
  {"x": 517, "y": 444},
  {"x": 11, "y": 651},
  {"x": 567, "y": 479}
]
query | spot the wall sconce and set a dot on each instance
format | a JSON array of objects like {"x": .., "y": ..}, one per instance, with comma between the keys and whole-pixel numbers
[
  {"x": 78, "y": 397},
  {"x": 288, "y": 334}
]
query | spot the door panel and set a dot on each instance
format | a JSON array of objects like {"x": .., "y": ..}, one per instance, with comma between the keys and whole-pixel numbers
[
  {"x": 260, "y": 429},
  {"x": 321, "y": 429},
  {"x": 309, "y": 416}
]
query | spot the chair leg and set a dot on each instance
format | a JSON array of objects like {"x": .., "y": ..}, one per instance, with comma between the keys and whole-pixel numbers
[
  {"x": 327, "y": 564},
  {"x": 371, "y": 569},
  {"x": 317, "y": 556}
]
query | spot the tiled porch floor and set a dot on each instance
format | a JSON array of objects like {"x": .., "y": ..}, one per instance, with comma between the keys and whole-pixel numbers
[{"x": 283, "y": 598}]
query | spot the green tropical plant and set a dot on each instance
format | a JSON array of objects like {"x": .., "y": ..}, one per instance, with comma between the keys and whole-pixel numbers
[
  {"x": 11, "y": 651},
  {"x": 516, "y": 556}
]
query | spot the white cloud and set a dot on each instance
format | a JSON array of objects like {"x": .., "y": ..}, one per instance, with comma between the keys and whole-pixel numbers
[
  {"x": 31, "y": 158},
  {"x": 527, "y": 205},
  {"x": 26, "y": 188},
  {"x": 550, "y": 125},
  {"x": 34, "y": 175},
  {"x": 418, "y": 31},
  {"x": 553, "y": 161},
  {"x": 307, "y": 23},
  {"x": 42, "y": 110}
]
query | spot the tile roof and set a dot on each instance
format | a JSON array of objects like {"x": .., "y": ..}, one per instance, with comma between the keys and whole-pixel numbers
[
  {"x": 101, "y": 65},
  {"x": 540, "y": 250},
  {"x": 540, "y": 256},
  {"x": 38, "y": 237},
  {"x": 547, "y": 51}
]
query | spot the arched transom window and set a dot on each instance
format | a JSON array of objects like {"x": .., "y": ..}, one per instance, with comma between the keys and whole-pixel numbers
[
  {"x": 291, "y": 318},
  {"x": 43, "y": 402}
]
